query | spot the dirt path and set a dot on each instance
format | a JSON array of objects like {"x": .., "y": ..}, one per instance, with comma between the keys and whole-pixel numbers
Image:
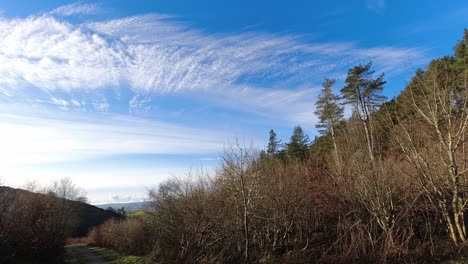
[{"x": 81, "y": 254}]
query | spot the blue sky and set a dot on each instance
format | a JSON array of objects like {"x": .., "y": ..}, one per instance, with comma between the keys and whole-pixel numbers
[{"x": 120, "y": 95}]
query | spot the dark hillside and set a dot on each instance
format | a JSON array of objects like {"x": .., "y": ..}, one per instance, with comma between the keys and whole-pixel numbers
[
  {"x": 34, "y": 226},
  {"x": 85, "y": 216}
]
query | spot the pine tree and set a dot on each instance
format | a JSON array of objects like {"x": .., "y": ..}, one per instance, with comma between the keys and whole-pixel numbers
[
  {"x": 364, "y": 93},
  {"x": 460, "y": 66},
  {"x": 328, "y": 108},
  {"x": 298, "y": 146},
  {"x": 461, "y": 58},
  {"x": 273, "y": 143},
  {"x": 329, "y": 112}
]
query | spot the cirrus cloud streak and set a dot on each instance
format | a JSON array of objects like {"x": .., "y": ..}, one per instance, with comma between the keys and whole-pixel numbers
[{"x": 156, "y": 54}]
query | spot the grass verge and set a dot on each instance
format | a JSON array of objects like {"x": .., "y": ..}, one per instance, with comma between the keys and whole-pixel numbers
[
  {"x": 116, "y": 258},
  {"x": 72, "y": 257}
]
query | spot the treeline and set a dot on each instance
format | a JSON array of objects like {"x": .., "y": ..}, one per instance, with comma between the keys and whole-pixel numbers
[
  {"x": 35, "y": 223},
  {"x": 387, "y": 184}
]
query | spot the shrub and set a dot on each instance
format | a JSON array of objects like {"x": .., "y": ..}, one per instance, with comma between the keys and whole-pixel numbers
[{"x": 127, "y": 236}]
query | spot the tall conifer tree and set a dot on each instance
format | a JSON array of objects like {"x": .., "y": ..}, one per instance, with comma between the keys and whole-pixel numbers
[
  {"x": 329, "y": 112},
  {"x": 364, "y": 93},
  {"x": 273, "y": 143}
]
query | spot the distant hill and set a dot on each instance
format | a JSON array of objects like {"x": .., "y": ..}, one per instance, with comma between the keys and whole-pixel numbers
[
  {"x": 85, "y": 217},
  {"x": 135, "y": 206},
  {"x": 89, "y": 216}
]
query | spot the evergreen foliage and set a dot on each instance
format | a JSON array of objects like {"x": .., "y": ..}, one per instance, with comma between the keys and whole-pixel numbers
[
  {"x": 298, "y": 146},
  {"x": 328, "y": 108},
  {"x": 273, "y": 143},
  {"x": 362, "y": 90}
]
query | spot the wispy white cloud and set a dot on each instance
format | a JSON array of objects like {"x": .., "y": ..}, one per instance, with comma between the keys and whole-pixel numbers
[
  {"x": 157, "y": 54},
  {"x": 76, "y": 9},
  {"x": 139, "y": 103},
  {"x": 294, "y": 106},
  {"x": 63, "y": 104},
  {"x": 36, "y": 140}
]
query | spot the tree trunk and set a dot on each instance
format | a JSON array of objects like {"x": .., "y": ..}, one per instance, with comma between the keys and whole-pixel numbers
[
  {"x": 335, "y": 148},
  {"x": 451, "y": 228},
  {"x": 246, "y": 233},
  {"x": 369, "y": 140}
]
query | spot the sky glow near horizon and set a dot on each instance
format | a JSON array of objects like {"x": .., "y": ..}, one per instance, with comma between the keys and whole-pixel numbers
[{"x": 119, "y": 97}]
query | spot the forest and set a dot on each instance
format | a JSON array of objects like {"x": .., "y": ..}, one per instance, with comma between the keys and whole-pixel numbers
[{"x": 385, "y": 184}]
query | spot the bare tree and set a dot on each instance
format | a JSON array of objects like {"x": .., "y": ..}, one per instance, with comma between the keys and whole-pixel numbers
[
  {"x": 240, "y": 175},
  {"x": 62, "y": 192},
  {"x": 435, "y": 145}
]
